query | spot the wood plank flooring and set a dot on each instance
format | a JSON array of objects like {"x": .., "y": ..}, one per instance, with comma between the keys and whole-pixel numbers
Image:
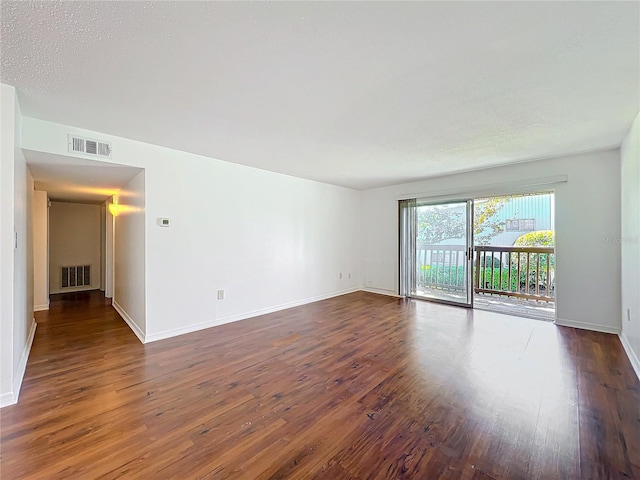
[{"x": 360, "y": 386}]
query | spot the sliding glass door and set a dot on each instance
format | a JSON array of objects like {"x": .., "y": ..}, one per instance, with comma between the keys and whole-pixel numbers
[{"x": 436, "y": 245}]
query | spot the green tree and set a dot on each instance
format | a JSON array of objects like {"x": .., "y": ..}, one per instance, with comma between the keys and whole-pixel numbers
[
  {"x": 486, "y": 224},
  {"x": 440, "y": 222},
  {"x": 540, "y": 238},
  {"x": 437, "y": 223}
]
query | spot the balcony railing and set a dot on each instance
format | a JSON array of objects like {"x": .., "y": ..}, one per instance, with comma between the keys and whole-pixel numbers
[{"x": 523, "y": 272}]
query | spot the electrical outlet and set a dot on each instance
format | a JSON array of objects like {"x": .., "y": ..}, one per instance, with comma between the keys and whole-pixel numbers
[
  {"x": 349, "y": 275},
  {"x": 340, "y": 275},
  {"x": 628, "y": 314},
  {"x": 220, "y": 294}
]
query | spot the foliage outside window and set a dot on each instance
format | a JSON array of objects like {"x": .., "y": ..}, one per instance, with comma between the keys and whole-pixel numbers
[{"x": 439, "y": 223}]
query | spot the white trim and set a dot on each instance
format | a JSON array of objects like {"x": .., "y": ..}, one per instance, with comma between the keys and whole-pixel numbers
[
  {"x": 22, "y": 367},
  {"x": 504, "y": 188},
  {"x": 11, "y": 398},
  {"x": 40, "y": 308},
  {"x": 563, "y": 322},
  {"x": 154, "y": 337},
  {"x": 129, "y": 321},
  {"x": 635, "y": 363},
  {"x": 7, "y": 399},
  {"x": 109, "y": 250},
  {"x": 388, "y": 293}
]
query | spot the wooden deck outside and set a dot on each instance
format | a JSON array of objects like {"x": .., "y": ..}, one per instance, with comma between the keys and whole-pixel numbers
[
  {"x": 519, "y": 307},
  {"x": 360, "y": 386},
  {"x": 516, "y": 306}
]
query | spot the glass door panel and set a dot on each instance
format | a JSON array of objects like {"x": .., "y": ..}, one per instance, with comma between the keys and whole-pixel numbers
[{"x": 441, "y": 260}]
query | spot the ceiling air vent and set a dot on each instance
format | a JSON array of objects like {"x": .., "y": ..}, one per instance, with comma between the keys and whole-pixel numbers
[{"x": 87, "y": 146}]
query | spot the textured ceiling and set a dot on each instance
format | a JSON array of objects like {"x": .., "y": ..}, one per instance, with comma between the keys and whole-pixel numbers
[{"x": 359, "y": 94}]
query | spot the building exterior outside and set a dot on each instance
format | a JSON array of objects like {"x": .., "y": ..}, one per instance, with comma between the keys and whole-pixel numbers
[{"x": 521, "y": 215}]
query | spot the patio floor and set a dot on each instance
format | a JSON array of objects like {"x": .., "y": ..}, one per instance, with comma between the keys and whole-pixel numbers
[
  {"x": 519, "y": 307},
  {"x": 516, "y": 306}
]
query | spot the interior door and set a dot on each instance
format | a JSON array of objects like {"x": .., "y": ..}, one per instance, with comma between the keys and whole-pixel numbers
[{"x": 437, "y": 250}]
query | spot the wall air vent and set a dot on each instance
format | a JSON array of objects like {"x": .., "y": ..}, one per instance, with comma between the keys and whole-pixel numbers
[
  {"x": 87, "y": 146},
  {"x": 77, "y": 276}
]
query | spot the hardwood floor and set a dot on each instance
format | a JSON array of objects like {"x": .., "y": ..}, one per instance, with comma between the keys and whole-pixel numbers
[{"x": 360, "y": 386}]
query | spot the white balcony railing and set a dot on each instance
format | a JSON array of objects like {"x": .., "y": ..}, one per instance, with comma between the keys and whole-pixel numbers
[{"x": 523, "y": 272}]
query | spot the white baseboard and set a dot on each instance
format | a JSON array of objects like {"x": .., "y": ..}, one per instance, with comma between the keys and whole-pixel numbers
[
  {"x": 22, "y": 367},
  {"x": 587, "y": 326},
  {"x": 11, "y": 398},
  {"x": 41, "y": 307},
  {"x": 381, "y": 292},
  {"x": 7, "y": 399},
  {"x": 129, "y": 321},
  {"x": 154, "y": 337},
  {"x": 633, "y": 358}
]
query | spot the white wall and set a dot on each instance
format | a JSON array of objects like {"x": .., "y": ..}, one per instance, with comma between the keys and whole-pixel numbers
[
  {"x": 587, "y": 221},
  {"x": 16, "y": 322},
  {"x": 630, "y": 243},
  {"x": 7, "y": 133},
  {"x": 269, "y": 240},
  {"x": 23, "y": 321},
  {"x": 129, "y": 256},
  {"x": 74, "y": 239},
  {"x": 40, "y": 251}
]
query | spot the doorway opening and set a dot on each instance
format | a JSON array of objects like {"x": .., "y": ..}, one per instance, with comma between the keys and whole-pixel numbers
[{"x": 493, "y": 253}]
